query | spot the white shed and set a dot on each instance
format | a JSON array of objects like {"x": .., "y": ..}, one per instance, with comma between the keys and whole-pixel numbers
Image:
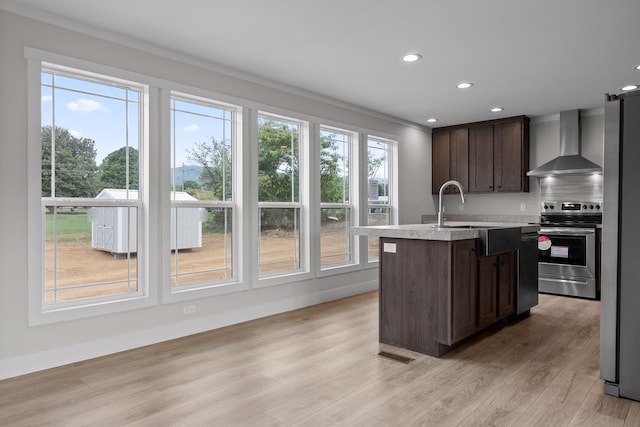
[{"x": 111, "y": 227}]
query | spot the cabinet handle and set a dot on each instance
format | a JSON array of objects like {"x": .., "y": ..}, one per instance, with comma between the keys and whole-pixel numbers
[{"x": 491, "y": 186}]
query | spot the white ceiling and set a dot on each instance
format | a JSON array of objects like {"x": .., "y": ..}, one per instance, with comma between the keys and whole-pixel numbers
[{"x": 533, "y": 57}]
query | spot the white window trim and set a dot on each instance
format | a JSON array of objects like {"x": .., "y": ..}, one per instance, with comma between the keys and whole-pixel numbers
[
  {"x": 393, "y": 191},
  {"x": 246, "y": 217},
  {"x": 306, "y": 214},
  {"x": 39, "y": 313},
  {"x": 354, "y": 173},
  {"x": 170, "y": 294}
]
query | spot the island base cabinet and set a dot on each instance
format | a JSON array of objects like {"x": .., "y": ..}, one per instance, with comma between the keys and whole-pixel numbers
[
  {"x": 435, "y": 294},
  {"x": 412, "y": 275}
]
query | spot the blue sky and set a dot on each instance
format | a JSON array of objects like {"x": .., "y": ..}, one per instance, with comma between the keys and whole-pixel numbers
[{"x": 98, "y": 111}]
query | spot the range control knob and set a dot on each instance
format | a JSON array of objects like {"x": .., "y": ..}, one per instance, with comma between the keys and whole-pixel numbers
[
  {"x": 598, "y": 207},
  {"x": 584, "y": 206},
  {"x": 551, "y": 207},
  {"x": 546, "y": 206},
  {"x": 590, "y": 206}
]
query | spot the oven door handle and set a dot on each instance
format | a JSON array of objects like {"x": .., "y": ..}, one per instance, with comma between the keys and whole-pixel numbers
[{"x": 567, "y": 231}]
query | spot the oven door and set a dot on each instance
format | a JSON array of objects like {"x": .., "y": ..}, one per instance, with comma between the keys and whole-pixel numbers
[{"x": 567, "y": 261}]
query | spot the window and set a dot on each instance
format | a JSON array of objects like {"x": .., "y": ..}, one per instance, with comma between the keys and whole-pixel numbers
[
  {"x": 202, "y": 192},
  {"x": 379, "y": 161},
  {"x": 92, "y": 133},
  {"x": 279, "y": 195},
  {"x": 336, "y": 210}
]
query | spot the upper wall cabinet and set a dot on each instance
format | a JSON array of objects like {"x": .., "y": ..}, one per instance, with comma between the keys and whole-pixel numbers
[
  {"x": 450, "y": 152},
  {"x": 490, "y": 156}
]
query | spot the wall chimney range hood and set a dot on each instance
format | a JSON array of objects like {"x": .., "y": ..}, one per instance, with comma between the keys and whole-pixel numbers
[{"x": 569, "y": 162}]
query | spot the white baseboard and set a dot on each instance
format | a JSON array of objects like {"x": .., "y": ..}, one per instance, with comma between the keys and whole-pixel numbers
[{"x": 65, "y": 355}]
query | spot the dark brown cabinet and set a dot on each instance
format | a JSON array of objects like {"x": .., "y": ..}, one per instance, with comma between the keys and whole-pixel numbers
[
  {"x": 464, "y": 292},
  {"x": 450, "y": 159},
  {"x": 440, "y": 159},
  {"x": 415, "y": 276},
  {"x": 506, "y": 284},
  {"x": 481, "y": 159},
  {"x": 496, "y": 283},
  {"x": 434, "y": 294},
  {"x": 487, "y": 291},
  {"x": 511, "y": 155},
  {"x": 491, "y": 156}
]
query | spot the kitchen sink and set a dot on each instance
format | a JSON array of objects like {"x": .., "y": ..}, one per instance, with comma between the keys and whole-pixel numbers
[
  {"x": 497, "y": 240},
  {"x": 491, "y": 240}
]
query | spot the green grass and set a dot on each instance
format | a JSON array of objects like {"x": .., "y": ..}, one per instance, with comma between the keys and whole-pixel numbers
[{"x": 70, "y": 223}]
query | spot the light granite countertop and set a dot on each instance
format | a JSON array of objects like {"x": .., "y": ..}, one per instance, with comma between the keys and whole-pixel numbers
[{"x": 433, "y": 232}]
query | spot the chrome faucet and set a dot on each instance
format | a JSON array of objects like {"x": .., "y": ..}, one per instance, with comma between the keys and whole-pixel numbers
[{"x": 440, "y": 208}]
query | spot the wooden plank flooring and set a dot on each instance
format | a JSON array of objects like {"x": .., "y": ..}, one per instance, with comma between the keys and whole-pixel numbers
[{"x": 318, "y": 367}]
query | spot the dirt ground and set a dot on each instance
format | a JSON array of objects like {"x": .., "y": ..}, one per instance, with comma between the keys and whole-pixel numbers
[{"x": 79, "y": 264}]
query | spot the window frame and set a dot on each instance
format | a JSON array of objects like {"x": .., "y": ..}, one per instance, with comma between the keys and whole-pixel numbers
[
  {"x": 236, "y": 283},
  {"x": 305, "y": 142},
  {"x": 39, "y": 311},
  {"x": 392, "y": 204},
  {"x": 156, "y": 202},
  {"x": 353, "y": 205}
]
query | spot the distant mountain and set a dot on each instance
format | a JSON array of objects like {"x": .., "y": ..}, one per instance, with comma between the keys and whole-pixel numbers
[{"x": 187, "y": 173}]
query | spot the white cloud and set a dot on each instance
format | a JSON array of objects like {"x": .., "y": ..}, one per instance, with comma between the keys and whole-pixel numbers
[
  {"x": 46, "y": 98},
  {"x": 75, "y": 133},
  {"x": 86, "y": 105},
  {"x": 191, "y": 128}
]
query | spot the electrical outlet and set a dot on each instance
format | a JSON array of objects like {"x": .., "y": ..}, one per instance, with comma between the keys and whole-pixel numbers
[
  {"x": 189, "y": 309},
  {"x": 523, "y": 207}
]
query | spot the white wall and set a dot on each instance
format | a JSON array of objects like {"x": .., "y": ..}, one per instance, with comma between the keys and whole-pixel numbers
[
  {"x": 544, "y": 142},
  {"x": 23, "y": 348}
]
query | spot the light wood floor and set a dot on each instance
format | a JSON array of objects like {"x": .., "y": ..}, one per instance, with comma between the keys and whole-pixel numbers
[{"x": 318, "y": 367}]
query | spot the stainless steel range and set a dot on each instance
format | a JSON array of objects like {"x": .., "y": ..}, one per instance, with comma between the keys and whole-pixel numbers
[{"x": 567, "y": 248}]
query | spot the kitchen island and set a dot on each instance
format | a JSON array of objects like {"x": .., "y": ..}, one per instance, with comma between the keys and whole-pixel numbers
[{"x": 441, "y": 285}]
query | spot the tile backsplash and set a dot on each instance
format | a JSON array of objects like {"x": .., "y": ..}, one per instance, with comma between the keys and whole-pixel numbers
[{"x": 571, "y": 188}]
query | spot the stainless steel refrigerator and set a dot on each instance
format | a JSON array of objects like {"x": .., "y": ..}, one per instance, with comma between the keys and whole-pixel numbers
[{"x": 620, "y": 288}]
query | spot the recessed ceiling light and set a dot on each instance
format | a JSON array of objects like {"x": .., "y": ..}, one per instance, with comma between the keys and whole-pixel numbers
[
  {"x": 464, "y": 85},
  {"x": 432, "y": 120},
  {"x": 496, "y": 109},
  {"x": 629, "y": 87},
  {"x": 412, "y": 57}
]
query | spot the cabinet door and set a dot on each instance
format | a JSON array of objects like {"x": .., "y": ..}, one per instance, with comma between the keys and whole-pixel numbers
[
  {"x": 463, "y": 290},
  {"x": 506, "y": 283},
  {"x": 487, "y": 284},
  {"x": 440, "y": 159},
  {"x": 509, "y": 157},
  {"x": 481, "y": 158},
  {"x": 459, "y": 162}
]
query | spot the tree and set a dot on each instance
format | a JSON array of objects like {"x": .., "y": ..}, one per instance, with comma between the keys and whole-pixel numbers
[
  {"x": 215, "y": 159},
  {"x": 277, "y": 163},
  {"x": 75, "y": 164},
  {"x": 278, "y": 166},
  {"x": 190, "y": 184},
  {"x": 113, "y": 170},
  {"x": 373, "y": 164},
  {"x": 333, "y": 187}
]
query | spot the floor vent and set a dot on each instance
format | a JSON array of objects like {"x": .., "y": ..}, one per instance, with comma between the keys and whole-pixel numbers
[{"x": 396, "y": 357}]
